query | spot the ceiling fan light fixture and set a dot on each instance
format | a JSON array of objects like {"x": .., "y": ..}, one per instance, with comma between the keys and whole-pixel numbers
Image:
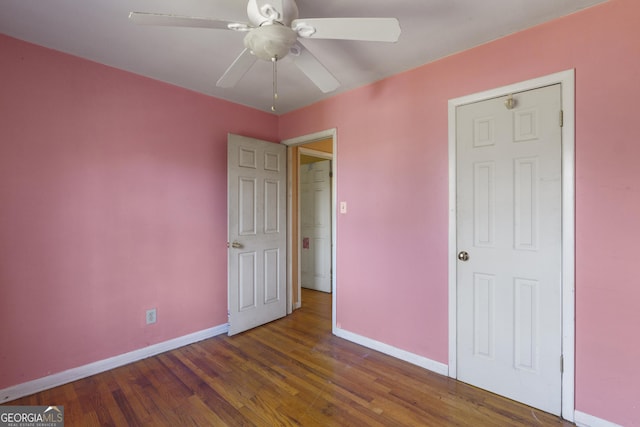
[{"x": 270, "y": 41}]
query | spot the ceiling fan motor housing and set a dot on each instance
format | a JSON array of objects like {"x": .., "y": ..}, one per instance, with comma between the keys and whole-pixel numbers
[
  {"x": 262, "y": 12},
  {"x": 270, "y": 41}
]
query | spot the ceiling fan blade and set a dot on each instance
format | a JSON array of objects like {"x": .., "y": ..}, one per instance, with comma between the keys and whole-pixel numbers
[
  {"x": 365, "y": 29},
  {"x": 237, "y": 70},
  {"x": 143, "y": 18},
  {"x": 314, "y": 69}
]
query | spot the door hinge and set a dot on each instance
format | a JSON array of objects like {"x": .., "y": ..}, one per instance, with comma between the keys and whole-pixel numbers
[
  {"x": 562, "y": 364},
  {"x": 561, "y": 118}
]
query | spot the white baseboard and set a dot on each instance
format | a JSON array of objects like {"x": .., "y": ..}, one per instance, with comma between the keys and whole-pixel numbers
[
  {"x": 55, "y": 380},
  {"x": 586, "y": 420},
  {"x": 423, "y": 362}
]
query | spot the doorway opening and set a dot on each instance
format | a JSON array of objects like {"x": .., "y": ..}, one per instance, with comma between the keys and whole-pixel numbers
[{"x": 302, "y": 152}]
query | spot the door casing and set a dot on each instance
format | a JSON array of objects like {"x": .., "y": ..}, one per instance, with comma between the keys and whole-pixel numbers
[{"x": 567, "y": 81}]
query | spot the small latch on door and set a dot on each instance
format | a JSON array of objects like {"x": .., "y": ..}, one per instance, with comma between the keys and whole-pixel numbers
[
  {"x": 463, "y": 256},
  {"x": 234, "y": 245},
  {"x": 510, "y": 103}
]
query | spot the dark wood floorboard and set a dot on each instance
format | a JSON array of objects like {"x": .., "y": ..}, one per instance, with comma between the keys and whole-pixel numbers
[{"x": 292, "y": 372}]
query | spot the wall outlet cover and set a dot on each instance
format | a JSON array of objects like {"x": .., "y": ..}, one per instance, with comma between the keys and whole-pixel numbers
[{"x": 151, "y": 316}]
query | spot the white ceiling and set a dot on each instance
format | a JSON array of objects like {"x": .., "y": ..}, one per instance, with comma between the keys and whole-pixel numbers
[{"x": 195, "y": 58}]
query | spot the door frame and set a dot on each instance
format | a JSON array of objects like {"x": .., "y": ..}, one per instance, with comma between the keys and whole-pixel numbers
[
  {"x": 297, "y": 141},
  {"x": 567, "y": 82}
]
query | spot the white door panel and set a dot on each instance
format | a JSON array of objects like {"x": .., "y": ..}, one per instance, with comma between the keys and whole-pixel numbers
[
  {"x": 315, "y": 214},
  {"x": 256, "y": 232},
  {"x": 509, "y": 326}
]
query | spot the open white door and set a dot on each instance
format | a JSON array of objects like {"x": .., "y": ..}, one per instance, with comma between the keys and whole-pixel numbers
[
  {"x": 257, "y": 186},
  {"x": 315, "y": 218}
]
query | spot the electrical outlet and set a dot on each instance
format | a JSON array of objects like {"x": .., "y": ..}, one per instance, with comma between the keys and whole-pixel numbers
[{"x": 151, "y": 316}]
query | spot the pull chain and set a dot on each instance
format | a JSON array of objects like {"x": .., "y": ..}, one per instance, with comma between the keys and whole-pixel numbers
[{"x": 274, "y": 60}]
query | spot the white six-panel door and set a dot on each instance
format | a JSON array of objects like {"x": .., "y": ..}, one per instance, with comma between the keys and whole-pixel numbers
[
  {"x": 256, "y": 232},
  {"x": 315, "y": 218},
  {"x": 509, "y": 239}
]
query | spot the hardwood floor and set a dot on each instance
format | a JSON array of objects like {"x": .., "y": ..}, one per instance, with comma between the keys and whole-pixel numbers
[{"x": 288, "y": 373}]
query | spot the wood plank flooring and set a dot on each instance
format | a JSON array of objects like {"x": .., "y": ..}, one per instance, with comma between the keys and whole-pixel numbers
[{"x": 291, "y": 372}]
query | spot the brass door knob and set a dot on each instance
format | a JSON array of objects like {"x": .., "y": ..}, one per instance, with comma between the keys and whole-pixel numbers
[{"x": 463, "y": 256}]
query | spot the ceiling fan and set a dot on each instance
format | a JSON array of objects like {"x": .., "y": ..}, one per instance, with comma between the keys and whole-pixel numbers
[{"x": 273, "y": 32}]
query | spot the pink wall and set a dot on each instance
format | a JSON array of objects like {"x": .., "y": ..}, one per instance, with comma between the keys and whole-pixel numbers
[
  {"x": 392, "y": 245},
  {"x": 112, "y": 201}
]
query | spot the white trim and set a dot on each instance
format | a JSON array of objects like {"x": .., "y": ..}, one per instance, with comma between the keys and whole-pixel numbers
[
  {"x": 291, "y": 304},
  {"x": 316, "y": 153},
  {"x": 567, "y": 81},
  {"x": 568, "y": 244},
  {"x": 304, "y": 139},
  {"x": 74, "y": 374},
  {"x": 317, "y": 136},
  {"x": 423, "y": 362},
  {"x": 586, "y": 420},
  {"x": 453, "y": 245}
]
